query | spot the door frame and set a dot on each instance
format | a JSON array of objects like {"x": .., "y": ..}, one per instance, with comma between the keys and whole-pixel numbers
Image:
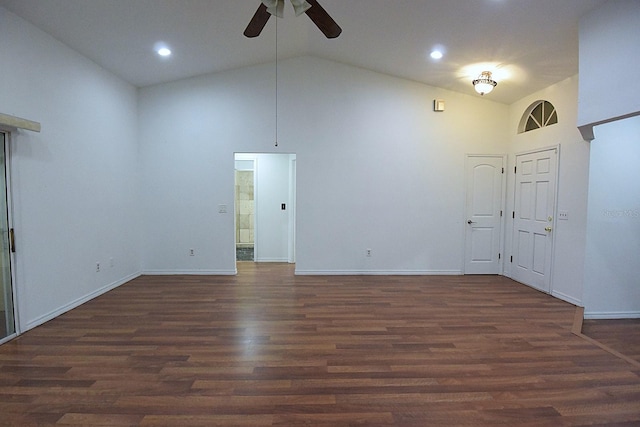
[
  {"x": 12, "y": 260},
  {"x": 293, "y": 165},
  {"x": 291, "y": 202},
  {"x": 554, "y": 212},
  {"x": 503, "y": 200}
]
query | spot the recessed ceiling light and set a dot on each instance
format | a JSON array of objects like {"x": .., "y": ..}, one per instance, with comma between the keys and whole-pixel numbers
[
  {"x": 437, "y": 54},
  {"x": 164, "y": 51}
]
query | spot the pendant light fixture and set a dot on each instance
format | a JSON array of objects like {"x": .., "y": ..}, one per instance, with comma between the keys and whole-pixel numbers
[{"x": 484, "y": 83}]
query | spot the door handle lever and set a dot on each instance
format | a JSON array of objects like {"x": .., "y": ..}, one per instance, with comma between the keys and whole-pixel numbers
[{"x": 471, "y": 222}]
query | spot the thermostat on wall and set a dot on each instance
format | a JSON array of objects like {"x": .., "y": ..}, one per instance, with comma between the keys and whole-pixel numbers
[{"x": 438, "y": 105}]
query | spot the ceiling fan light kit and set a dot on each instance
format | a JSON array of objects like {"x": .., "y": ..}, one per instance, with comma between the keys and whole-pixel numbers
[
  {"x": 312, "y": 8},
  {"x": 484, "y": 83},
  {"x": 300, "y": 6},
  {"x": 275, "y": 7}
]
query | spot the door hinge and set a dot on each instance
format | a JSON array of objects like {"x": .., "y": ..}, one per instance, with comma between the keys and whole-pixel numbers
[
  {"x": 511, "y": 260},
  {"x": 12, "y": 240},
  {"x": 515, "y": 168},
  {"x": 499, "y": 255},
  {"x": 513, "y": 215},
  {"x": 502, "y": 170},
  {"x": 500, "y": 213}
]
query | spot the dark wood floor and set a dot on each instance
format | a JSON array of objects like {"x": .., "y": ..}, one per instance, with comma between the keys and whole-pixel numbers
[
  {"x": 267, "y": 348},
  {"x": 622, "y": 335}
]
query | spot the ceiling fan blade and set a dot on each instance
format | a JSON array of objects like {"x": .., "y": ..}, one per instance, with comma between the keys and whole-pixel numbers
[
  {"x": 258, "y": 22},
  {"x": 323, "y": 21}
]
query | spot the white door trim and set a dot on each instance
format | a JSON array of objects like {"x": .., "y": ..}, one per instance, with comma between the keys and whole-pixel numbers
[{"x": 292, "y": 207}]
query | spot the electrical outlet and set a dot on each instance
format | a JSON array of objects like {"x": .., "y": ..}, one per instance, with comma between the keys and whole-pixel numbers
[
  {"x": 97, "y": 267},
  {"x": 192, "y": 252},
  {"x": 368, "y": 252}
]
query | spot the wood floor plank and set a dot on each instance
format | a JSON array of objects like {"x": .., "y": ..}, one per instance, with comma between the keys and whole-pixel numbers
[
  {"x": 622, "y": 335},
  {"x": 267, "y": 348}
]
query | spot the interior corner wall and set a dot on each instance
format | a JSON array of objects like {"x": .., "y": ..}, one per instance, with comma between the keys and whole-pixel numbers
[
  {"x": 609, "y": 62},
  {"x": 612, "y": 283},
  {"x": 572, "y": 189},
  {"x": 376, "y": 166},
  {"x": 74, "y": 185}
]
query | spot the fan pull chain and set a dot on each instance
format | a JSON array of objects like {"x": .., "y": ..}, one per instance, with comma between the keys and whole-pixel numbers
[{"x": 276, "y": 81}]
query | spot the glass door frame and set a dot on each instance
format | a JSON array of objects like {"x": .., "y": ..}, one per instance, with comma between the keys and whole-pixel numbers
[{"x": 7, "y": 160}]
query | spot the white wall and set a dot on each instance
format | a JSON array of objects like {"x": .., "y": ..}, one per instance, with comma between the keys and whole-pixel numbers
[
  {"x": 272, "y": 223},
  {"x": 376, "y": 167},
  {"x": 612, "y": 282},
  {"x": 609, "y": 49},
  {"x": 189, "y": 131},
  {"x": 75, "y": 184},
  {"x": 609, "y": 63},
  {"x": 573, "y": 174}
]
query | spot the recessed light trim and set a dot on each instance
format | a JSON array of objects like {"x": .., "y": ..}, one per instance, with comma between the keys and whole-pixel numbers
[{"x": 164, "y": 51}]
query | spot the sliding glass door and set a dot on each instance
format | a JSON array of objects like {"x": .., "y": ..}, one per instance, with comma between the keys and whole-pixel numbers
[{"x": 7, "y": 321}]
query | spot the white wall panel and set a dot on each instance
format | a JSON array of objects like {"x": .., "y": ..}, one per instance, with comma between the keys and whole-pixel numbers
[
  {"x": 75, "y": 184},
  {"x": 376, "y": 167},
  {"x": 612, "y": 283}
]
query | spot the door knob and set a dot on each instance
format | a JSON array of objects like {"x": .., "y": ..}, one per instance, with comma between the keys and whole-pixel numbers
[{"x": 548, "y": 229}]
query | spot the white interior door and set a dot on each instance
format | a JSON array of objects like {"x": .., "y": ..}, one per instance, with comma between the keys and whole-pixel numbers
[
  {"x": 535, "y": 196},
  {"x": 484, "y": 195}
]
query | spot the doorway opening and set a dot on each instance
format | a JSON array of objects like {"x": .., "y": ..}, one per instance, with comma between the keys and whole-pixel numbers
[
  {"x": 245, "y": 208},
  {"x": 265, "y": 207}
]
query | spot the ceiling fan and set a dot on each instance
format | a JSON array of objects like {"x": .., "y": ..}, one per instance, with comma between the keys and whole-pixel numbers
[{"x": 318, "y": 15}]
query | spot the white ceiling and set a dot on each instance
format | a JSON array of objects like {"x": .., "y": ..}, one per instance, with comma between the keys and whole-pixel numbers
[{"x": 533, "y": 43}]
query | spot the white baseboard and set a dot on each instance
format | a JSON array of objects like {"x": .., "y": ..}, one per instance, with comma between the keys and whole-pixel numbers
[
  {"x": 75, "y": 303},
  {"x": 611, "y": 315},
  {"x": 567, "y": 298},
  {"x": 190, "y": 272},
  {"x": 378, "y": 272}
]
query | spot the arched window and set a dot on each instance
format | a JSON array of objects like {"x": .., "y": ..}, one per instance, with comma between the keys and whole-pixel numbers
[{"x": 538, "y": 115}]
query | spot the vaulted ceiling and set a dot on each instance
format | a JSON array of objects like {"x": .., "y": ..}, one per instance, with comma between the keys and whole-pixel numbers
[{"x": 530, "y": 44}]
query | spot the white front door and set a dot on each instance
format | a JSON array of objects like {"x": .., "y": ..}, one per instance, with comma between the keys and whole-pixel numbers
[
  {"x": 484, "y": 189},
  {"x": 535, "y": 197}
]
